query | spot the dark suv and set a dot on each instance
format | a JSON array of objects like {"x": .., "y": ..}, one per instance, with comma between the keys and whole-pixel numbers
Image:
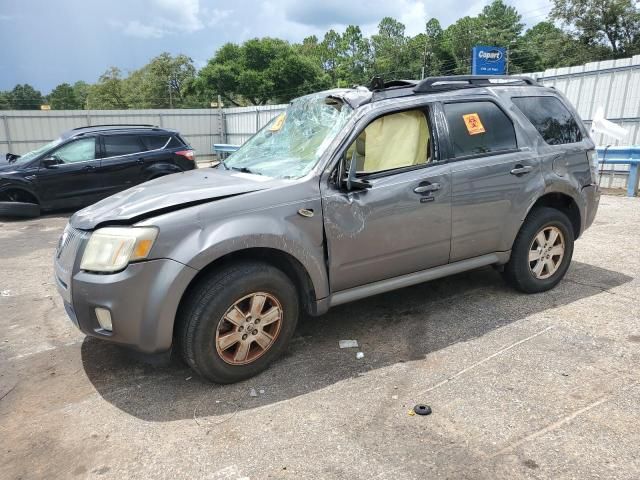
[
  {"x": 87, "y": 164},
  {"x": 348, "y": 193}
]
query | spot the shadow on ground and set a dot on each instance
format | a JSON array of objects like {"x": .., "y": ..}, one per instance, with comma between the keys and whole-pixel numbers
[{"x": 399, "y": 326}]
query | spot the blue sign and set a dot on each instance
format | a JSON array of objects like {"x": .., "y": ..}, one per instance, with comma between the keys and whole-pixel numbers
[{"x": 488, "y": 60}]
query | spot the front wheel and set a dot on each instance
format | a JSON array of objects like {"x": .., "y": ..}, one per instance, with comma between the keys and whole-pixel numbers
[
  {"x": 542, "y": 251},
  {"x": 237, "y": 321}
]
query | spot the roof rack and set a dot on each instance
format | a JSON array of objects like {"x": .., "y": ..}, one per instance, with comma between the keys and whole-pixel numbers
[
  {"x": 455, "y": 82},
  {"x": 118, "y": 125}
]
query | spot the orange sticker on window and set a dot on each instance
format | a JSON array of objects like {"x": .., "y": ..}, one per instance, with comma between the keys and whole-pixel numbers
[
  {"x": 277, "y": 125},
  {"x": 473, "y": 123}
]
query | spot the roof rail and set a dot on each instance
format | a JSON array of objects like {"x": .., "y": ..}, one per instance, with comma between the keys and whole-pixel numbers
[
  {"x": 118, "y": 125},
  {"x": 455, "y": 82}
]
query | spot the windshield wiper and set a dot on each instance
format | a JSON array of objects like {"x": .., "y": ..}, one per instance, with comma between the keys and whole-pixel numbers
[{"x": 245, "y": 170}]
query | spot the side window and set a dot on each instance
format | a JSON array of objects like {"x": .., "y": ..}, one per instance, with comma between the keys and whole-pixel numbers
[
  {"x": 551, "y": 118},
  {"x": 393, "y": 141},
  {"x": 77, "y": 151},
  {"x": 115, "y": 145},
  {"x": 479, "y": 127},
  {"x": 154, "y": 142}
]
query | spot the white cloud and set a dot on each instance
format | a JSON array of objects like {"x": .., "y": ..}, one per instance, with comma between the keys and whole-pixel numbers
[{"x": 166, "y": 17}]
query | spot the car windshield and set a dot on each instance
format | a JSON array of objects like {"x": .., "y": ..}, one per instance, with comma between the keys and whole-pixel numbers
[
  {"x": 38, "y": 151},
  {"x": 292, "y": 143}
]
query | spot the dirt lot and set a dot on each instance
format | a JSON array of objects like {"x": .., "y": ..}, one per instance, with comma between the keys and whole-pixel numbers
[{"x": 539, "y": 386}]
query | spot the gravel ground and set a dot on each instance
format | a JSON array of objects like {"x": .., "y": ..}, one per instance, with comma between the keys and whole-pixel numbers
[{"x": 521, "y": 386}]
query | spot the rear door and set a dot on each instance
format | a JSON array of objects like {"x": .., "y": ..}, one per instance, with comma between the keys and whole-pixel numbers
[
  {"x": 122, "y": 162},
  {"x": 495, "y": 177},
  {"x": 74, "y": 180}
]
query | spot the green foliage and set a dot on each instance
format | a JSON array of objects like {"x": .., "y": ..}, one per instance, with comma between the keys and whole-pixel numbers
[
  {"x": 258, "y": 71},
  {"x": 614, "y": 23},
  {"x": 109, "y": 92},
  {"x": 270, "y": 70},
  {"x": 24, "y": 97},
  {"x": 63, "y": 97}
]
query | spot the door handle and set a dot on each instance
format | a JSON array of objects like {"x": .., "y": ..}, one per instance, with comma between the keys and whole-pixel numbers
[
  {"x": 431, "y": 187},
  {"x": 140, "y": 161},
  {"x": 89, "y": 167},
  {"x": 521, "y": 170}
]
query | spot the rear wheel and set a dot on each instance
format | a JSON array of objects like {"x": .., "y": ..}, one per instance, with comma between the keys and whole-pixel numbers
[
  {"x": 237, "y": 321},
  {"x": 542, "y": 251}
]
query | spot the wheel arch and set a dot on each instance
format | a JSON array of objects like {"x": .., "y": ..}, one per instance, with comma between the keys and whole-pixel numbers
[
  {"x": 280, "y": 259},
  {"x": 30, "y": 195},
  {"x": 563, "y": 202}
]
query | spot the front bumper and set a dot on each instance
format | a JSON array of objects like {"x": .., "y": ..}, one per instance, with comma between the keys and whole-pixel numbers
[{"x": 143, "y": 300}]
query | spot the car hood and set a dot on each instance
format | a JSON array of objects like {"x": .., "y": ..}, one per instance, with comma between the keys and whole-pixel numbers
[{"x": 172, "y": 192}]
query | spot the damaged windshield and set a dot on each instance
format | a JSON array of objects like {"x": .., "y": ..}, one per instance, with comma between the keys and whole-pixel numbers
[{"x": 292, "y": 143}]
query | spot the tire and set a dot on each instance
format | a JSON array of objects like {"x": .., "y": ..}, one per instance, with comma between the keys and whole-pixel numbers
[
  {"x": 519, "y": 271},
  {"x": 200, "y": 321},
  {"x": 19, "y": 209}
]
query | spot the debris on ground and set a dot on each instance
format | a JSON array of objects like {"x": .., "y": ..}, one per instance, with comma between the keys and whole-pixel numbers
[
  {"x": 7, "y": 293},
  {"x": 359, "y": 355},
  {"x": 421, "y": 409},
  {"x": 253, "y": 393},
  {"x": 394, "y": 397},
  {"x": 188, "y": 378},
  {"x": 261, "y": 391},
  {"x": 348, "y": 343}
]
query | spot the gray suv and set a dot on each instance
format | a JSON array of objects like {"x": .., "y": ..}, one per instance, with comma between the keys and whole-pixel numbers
[{"x": 348, "y": 193}]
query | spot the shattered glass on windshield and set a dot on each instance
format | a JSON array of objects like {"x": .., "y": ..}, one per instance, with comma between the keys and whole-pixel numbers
[{"x": 292, "y": 143}]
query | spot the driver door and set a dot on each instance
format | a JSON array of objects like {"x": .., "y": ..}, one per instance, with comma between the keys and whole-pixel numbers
[
  {"x": 402, "y": 223},
  {"x": 72, "y": 179}
]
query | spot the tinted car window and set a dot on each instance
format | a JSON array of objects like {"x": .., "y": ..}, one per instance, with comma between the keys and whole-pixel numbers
[
  {"x": 479, "y": 127},
  {"x": 551, "y": 118},
  {"x": 115, "y": 145},
  {"x": 154, "y": 142},
  {"x": 77, "y": 151},
  {"x": 175, "y": 143}
]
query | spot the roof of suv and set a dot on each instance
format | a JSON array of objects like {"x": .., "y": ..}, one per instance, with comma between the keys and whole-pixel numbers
[
  {"x": 402, "y": 88},
  {"x": 116, "y": 128}
]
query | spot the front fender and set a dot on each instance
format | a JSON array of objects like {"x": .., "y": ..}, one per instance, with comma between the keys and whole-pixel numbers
[{"x": 198, "y": 242}]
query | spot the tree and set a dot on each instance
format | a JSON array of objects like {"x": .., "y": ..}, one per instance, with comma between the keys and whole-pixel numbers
[
  {"x": 25, "y": 97},
  {"x": 5, "y": 101},
  {"x": 390, "y": 50},
  {"x": 500, "y": 24},
  {"x": 81, "y": 92},
  {"x": 355, "y": 60},
  {"x": 546, "y": 46},
  {"x": 259, "y": 71},
  {"x": 458, "y": 40},
  {"x": 615, "y": 23},
  {"x": 108, "y": 93},
  {"x": 63, "y": 98}
]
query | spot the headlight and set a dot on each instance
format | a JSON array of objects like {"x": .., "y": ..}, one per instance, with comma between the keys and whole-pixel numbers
[{"x": 111, "y": 249}]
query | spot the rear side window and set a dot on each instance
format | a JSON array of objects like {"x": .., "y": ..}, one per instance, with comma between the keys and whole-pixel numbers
[
  {"x": 551, "y": 118},
  {"x": 477, "y": 128},
  {"x": 154, "y": 142},
  {"x": 116, "y": 145}
]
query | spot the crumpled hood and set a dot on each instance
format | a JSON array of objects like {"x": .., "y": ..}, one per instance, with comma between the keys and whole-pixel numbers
[{"x": 171, "y": 192}]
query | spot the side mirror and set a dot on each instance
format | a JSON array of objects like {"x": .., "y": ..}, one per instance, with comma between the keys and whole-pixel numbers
[
  {"x": 51, "y": 162},
  {"x": 349, "y": 179}
]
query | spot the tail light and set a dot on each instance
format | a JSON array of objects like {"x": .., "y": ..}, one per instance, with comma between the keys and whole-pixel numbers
[{"x": 188, "y": 154}]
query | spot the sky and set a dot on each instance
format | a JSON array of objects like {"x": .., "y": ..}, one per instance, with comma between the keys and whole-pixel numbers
[{"x": 48, "y": 42}]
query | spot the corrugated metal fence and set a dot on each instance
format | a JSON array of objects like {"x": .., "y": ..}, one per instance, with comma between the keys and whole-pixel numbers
[
  {"x": 25, "y": 130},
  {"x": 612, "y": 84}
]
